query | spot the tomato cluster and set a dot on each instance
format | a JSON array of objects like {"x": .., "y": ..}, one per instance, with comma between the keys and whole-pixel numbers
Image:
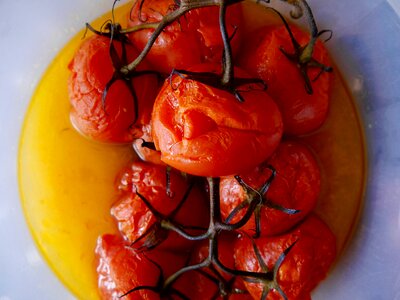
[{"x": 212, "y": 131}]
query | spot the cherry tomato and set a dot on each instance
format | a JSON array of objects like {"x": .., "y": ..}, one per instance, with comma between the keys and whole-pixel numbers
[
  {"x": 206, "y": 131},
  {"x": 296, "y": 186},
  {"x": 306, "y": 264},
  {"x": 121, "y": 269},
  {"x": 134, "y": 217},
  {"x": 301, "y": 112},
  {"x": 191, "y": 40},
  {"x": 91, "y": 70}
]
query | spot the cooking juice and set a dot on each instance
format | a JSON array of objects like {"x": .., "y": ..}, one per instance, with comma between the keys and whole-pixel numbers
[{"x": 67, "y": 182}]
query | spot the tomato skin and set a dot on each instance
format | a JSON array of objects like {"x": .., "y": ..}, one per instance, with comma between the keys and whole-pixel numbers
[
  {"x": 193, "y": 39},
  {"x": 302, "y": 113},
  {"x": 134, "y": 218},
  {"x": 295, "y": 186},
  {"x": 91, "y": 69},
  {"x": 202, "y": 130},
  {"x": 306, "y": 264},
  {"x": 120, "y": 269}
]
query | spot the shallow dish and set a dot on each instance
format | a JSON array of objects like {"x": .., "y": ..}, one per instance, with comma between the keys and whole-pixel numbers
[{"x": 365, "y": 47}]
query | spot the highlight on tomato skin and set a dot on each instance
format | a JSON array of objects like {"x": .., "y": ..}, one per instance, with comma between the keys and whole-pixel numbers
[
  {"x": 206, "y": 131},
  {"x": 296, "y": 186},
  {"x": 144, "y": 153},
  {"x": 91, "y": 70},
  {"x": 306, "y": 264},
  {"x": 135, "y": 219},
  {"x": 302, "y": 113},
  {"x": 193, "y": 39}
]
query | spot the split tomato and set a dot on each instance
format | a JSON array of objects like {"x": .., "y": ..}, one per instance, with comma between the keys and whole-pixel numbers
[
  {"x": 296, "y": 186},
  {"x": 111, "y": 121},
  {"x": 191, "y": 40},
  {"x": 301, "y": 112},
  {"x": 306, "y": 264},
  {"x": 139, "y": 224},
  {"x": 206, "y": 131}
]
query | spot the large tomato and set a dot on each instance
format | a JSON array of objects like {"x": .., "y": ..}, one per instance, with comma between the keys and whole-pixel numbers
[
  {"x": 91, "y": 70},
  {"x": 206, "y": 131},
  {"x": 193, "y": 39},
  {"x": 135, "y": 218},
  {"x": 306, "y": 264},
  {"x": 301, "y": 112},
  {"x": 296, "y": 186}
]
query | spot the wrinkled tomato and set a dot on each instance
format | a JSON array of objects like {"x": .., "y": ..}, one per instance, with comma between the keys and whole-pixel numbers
[
  {"x": 138, "y": 223},
  {"x": 301, "y": 112},
  {"x": 193, "y": 39},
  {"x": 206, "y": 131},
  {"x": 296, "y": 186},
  {"x": 91, "y": 70},
  {"x": 306, "y": 264}
]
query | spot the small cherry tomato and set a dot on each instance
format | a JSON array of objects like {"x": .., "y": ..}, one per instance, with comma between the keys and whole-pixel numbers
[
  {"x": 193, "y": 39},
  {"x": 139, "y": 224},
  {"x": 91, "y": 70},
  {"x": 301, "y": 112},
  {"x": 121, "y": 269},
  {"x": 303, "y": 267},
  {"x": 295, "y": 186},
  {"x": 206, "y": 131}
]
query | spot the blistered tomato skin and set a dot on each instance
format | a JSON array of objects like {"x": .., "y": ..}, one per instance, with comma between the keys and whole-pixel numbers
[
  {"x": 295, "y": 186},
  {"x": 121, "y": 269},
  {"x": 302, "y": 113},
  {"x": 193, "y": 39},
  {"x": 134, "y": 217},
  {"x": 91, "y": 70},
  {"x": 306, "y": 264},
  {"x": 206, "y": 131}
]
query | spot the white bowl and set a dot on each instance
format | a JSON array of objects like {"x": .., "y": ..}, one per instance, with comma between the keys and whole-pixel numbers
[{"x": 366, "y": 48}]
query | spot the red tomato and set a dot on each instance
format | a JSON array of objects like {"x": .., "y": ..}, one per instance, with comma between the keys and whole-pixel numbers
[
  {"x": 206, "y": 131},
  {"x": 306, "y": 264},
  {"x": 91, "y": 70},
  {"x": 193, "y": 39},
  {"x": 135, "y": 218},
  {"x": 121, "y": 269},
  {"x": 301, "y": 112},
  {"x": 295, "y": 186},
  {"x": 204, "y": 283}
]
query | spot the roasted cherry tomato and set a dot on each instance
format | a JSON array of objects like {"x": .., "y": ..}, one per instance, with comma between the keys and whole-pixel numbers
[
  {"x": 295, "y": 186},
  {"x": 91, "y": 70},
  {"x": 211, "y": 282},
  {"x": 121, "y": 269},
  {"x": 193, "y": 39},
  {"x": 305, "y": 265},
  {"x": 206, "y": 131},
  {"x": 301, "y": 112},
  {"x": 139, "y": 224}
]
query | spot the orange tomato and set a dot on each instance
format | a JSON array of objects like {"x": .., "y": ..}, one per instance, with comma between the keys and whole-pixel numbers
[
  {"x": 206, "y": 131},
  {"x": 191, "y": 40},
  {"x": 301, "y": 112},
  {"x": 91, "y": 70}
]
